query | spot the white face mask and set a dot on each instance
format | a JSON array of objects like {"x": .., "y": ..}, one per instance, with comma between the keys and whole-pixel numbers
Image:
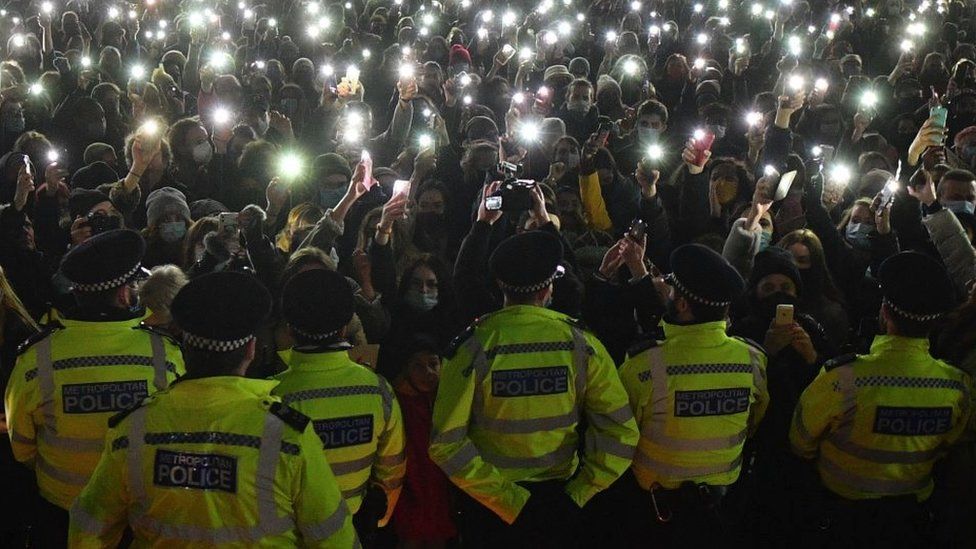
[
  {"x": 572, "y": 160},
  {"x": 202, "y": 152}
]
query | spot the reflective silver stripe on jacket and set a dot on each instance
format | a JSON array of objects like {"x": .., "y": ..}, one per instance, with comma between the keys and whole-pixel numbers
[
  {"x": 452, "y": 465},
  {"x": 329, "y": 392},
  {"x": 352, "y": 466},
  {"x": 134, "y": 455},
  {"x": 678, "y": 471},
  {"x": 265, "y": 477},
  {"x": 60, "y": 475},
  {"x": 158, "y": 361},
  {"x": 45, "y": 381},
  {"x": 871, "y": 485},
  {"x": 211, "y": 535},
  {"x": 73, "y": 444},
  {"x": 327, "y": 528}
]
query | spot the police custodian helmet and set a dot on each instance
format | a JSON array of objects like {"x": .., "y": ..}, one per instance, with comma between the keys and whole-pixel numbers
[
  {"x": 915, "y": 286},
  {"x": 528, "y": 262},
  {"x": 104, "y": 261},
  {"x": 317, "y": 304},
  {"x": 704, "y": 276},
  {"x": 221, "y": 311}
]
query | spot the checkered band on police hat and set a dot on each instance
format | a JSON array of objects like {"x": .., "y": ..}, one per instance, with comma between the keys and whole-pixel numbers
[
  {"x": 214, "y": 345},
  {"x": 910, "y": 316},
  {"x": 311, "y": 336},
  {"x": 673, "y": 280},
  {"x": 106, "y": 284}
]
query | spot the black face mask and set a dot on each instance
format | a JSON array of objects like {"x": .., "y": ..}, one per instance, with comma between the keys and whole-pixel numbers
[
  {"x": 812, "y": 281},
  {"x": 766, "y": 307},
  {"x": 430, "y": 222}
]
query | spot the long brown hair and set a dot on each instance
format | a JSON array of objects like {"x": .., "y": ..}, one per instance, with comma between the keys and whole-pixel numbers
[{"x": 818, "y": 260}]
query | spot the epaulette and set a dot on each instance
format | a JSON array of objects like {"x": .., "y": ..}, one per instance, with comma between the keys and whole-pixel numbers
[
  {"x": 38, "y": 337},
  {"x": 295, "y": 419},
  {"x": 576, "y": 323},
  {"x": 641, "y": 346},
  {"x": 456, "y": 343},
  {"x": 117, "y": 418},
  {"x": 752, "y": 344},
  {"x": 839, "y": 361},
  {"x": 156, "y": 331}
]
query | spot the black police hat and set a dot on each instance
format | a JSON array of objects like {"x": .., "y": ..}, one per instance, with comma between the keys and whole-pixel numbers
[
  {"x": 104, "y": 261},
  {"x": 221, "y": 311},
  {"x": 317, "y": 304},
  {"x": 527, "y": 262},
  {"x": 704, "y": 276},
  {"x": 915, "y": 286}
]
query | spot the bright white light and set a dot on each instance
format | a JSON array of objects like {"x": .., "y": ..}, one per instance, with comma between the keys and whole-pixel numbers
[
  {"x": 324, "y": 22},
  {"x": 149, "y": 127},
  {"x": 840, "y": 174},
  {"x": 723, "y": 4},
  {"x": 53, "y": 156},
  {"x": 113, "y": 12},
  {"x": 487, "y": 16},
  {"x": 196, "y": 19},
  {"x": 467, "y": 100},
  {"x": 221, "y": 116},
  {"x": 406, "y": 71},
  {"x": 756, "y": 10},
  {"x": 816, "y": 151},
  {"x": 580, "y": 17},
  {"x": 509, "y": 19},
  {"x": 753, "y": 118},
  {"x": 611, "y": 36},
  {"x": 698, "y": 135},
  {"x": 769, "y": 170},
  {"x": 701, "y": 39},
  {"x": 225, "y": 35},
  {"x": 483, "y": 33},
  {"x": 821, "y": 84},
  {"x": 163, "y": 24},
  {"x": 564, "y": 28},
  {"x": 272, "y": 22},
  {"x": 654, "y": 30},
  {"x": 428, "y": 19},
  {"x": 796, "y": 82},
  {"x": 328, "y": 70},
  {"x": 699, "y": 63},
  {"x": 312, "y": 8},
  {"x": 425, "y": 141},
  {"x": 907, "y": 45},
  {"x": 631, "y": 67},
  {"x": 313, "y": 31},
  {"x": 550, "y": 38},
  {"x": 47, "y": 8},
  {"x": 465, "y": 80},
  {"x": 870, "y": 12},
  {"x": 137, "y": 71},
  {"x": 698, "y": 8},
  {"x": 529, "y": 131},
  {"x": 655, "y": 152},
  {"x": 367, "y": 54},
  {"x": 86, "y": 62},
  {"x": 36, "y": 89},
  {"x": 289, "y": 165},
  {"x": 149, "y": 35},
  {"x": 795, "y": 45},
  {"x": 869, "y": 100},
  {"x": 19, "y": 40},
  {"x": 635, "y": 6}
]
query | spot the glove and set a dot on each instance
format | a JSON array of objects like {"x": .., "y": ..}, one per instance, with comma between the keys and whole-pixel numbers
[{"x": 370, "y": 512}]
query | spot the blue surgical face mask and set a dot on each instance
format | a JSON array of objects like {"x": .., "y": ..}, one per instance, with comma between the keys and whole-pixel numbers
[
  {"x": 857, "y": 235},
  {"x": 420, "y": 301},
  {"x": 765, "y": 237},
  {"x": 648, "y": 135},
  {"x": 172, "y": 231},
  {"x": 328, "y": 198},
  {"x": 960, "y": 206},
  {"x": 719, "y": 131}
]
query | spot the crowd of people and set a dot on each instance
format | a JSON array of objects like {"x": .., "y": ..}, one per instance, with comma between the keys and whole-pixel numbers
[{"x": 818, "y": 154}]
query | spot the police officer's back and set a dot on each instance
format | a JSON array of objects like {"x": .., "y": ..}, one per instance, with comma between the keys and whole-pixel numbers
[
  {"x": 696, "y": 397},
  {"x": 95, "y": 362},
  {"x": 510, "y": 399},
  {"x": 215, "y": 460},
  {"x": 876, "y": 424},
  {"x": 353, "y": 410}
]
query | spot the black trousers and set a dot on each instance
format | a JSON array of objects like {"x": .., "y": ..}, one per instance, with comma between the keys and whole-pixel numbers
[
  {"x": 892, "y": 522},
  {"x": 479, "y": 527},
  {"x": 50, "y": 530}
]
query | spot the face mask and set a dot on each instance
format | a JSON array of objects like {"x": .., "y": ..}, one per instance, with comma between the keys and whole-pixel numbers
[
  {"x": 765, "y": 237},
  {"x": 430, "y": 221},
  {"x": 328, "y": 198},
  {"x": 578, "y": 106},
  {"x": 968, "y": 152},
  {"x": 648, "y": 135},
  {"x": 420, "y": 301},
  {"x": 857, "y": 235},
  {"x": 572, "y": 160},
  {"x": 719, "y": 131},
  {"x": 202, "y": 152},
  {"x": 960, "y": 206},
  {"x": 261, "y": 127},
  {"x": 172, "y": 231}
]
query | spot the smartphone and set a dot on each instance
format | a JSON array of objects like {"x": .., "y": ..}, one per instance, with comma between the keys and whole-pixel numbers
[
  {"x": 603, "y": 132},
  {"x": 637, "y": 230},
  {"x": 784, "y": 314},
  {"x": 27, "y": 167},
  {"x": 367, "y": 161},
  {"x": 939, "y": 115},
  {"x": 508, "y": 51},
  {"x": 888, "y": 193},
  {"x": 701, "y": 144},
  {"x": 401, "y": 186},
  {"x": 227, "y": 223},
  {"x": 493, "y": 203}
]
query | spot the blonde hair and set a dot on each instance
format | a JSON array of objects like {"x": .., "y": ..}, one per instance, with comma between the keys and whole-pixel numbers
[
  {"x": 301, "y": 216},
  {"x": 159, "y": 290},
  {"x": 9, "y": 300}
]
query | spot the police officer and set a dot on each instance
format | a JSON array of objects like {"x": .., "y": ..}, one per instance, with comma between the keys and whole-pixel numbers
[
  {"x": 216, "y": 459},
  {"x": 696, "y": 396},
  {"x": 353, "y": 410},
  {"x": 876, "y": 424},
  {"x": 512, "y": 393},
  {"x": 96, "y": 361}
]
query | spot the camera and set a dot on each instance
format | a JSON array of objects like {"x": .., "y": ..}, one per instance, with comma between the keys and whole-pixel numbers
[
  {"x": 514, "y": 195},
  {"x": 101, "y": 222}
]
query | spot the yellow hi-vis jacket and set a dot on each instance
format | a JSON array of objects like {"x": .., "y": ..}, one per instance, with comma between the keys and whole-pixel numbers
[
  {"x": 508, "y": 404},
  {"x": 355, "y": 414},
  {"x": 877, "y": 423},
  {"x": 68, "y": 382},
  {"x": 213, "y": 462},
  {"x": 697, "y": 396}
]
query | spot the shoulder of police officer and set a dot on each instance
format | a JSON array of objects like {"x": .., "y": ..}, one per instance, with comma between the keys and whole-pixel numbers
[
  {"x": 152, "y": 330},
  {"x": 288, "y": 415},
  {"x": 643, "y": 345},
  {"x": 467, "y": 334},
  {"x": 118, "y": 418},
  {"x": 846, "y": 359},
  {"x": 46, "y": 332},
  {"x": 752, "y": 345}
]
